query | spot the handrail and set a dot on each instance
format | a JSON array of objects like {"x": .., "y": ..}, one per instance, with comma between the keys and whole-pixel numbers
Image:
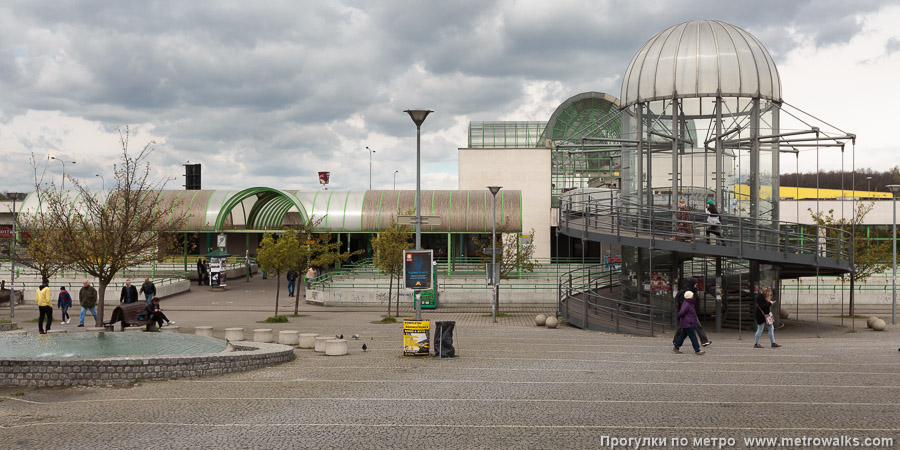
[
  {"x": 582, "y": 285},
  {"x": 603, "y": 211}
]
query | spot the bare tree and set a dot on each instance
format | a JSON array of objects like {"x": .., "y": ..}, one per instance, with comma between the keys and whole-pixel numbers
[{"x": 104, "y": 233}]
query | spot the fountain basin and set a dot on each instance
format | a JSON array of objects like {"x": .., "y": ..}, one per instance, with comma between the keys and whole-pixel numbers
[{"x": 60, "y": 370}]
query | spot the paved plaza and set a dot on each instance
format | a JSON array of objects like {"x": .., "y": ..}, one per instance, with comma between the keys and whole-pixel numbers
[{"x": 514, "y": 385}]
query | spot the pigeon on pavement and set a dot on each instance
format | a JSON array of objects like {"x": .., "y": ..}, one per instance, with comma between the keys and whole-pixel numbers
[
  {"x": 364, "y": 346},
  {"x": 355, "y": 336}
]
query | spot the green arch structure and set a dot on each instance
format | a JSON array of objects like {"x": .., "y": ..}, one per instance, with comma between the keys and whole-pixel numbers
[
  {"x": 267, "y": 212},
  {"x": 589, "y": 114}
]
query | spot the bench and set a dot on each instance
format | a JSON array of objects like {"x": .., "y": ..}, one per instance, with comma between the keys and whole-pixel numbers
[{"x": 131, "y": 315}]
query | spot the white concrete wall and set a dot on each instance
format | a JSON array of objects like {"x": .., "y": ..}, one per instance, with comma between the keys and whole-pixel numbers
[{"x": 526, "y": 170}]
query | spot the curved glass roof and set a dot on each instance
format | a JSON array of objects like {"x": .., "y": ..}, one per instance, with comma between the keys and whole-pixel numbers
[
  {"x": 589, "y": 114},
  {"x": 262, "y": 208},
  {"x": 701, "y": 58}
]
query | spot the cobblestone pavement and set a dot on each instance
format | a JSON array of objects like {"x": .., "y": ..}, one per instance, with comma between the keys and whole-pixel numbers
[{"x": 513, "y": 386}]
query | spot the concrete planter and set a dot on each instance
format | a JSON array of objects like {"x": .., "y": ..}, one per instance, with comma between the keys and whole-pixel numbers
[
  {"x": 307, "y": 340},
  {"x": 262, "y": 335},
  {"x": 288, "y": 337}
]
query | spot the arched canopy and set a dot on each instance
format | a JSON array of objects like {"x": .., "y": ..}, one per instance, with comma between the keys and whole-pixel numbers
[
  {"x": 589, "y": 114},
  {"x": 268, "y": 210}
]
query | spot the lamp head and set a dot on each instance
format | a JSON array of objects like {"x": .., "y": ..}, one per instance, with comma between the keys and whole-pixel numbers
[
  {"x": 15, "y": 196},
  {"x": 418, "y": 115},
  {"x": 494, "y": 189},
  {"x": 894, "y": 188}
]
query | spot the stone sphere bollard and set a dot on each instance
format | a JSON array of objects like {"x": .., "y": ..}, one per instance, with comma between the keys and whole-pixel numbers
[
  {"x": 202, "y": 331},
  {"x": 871, "y": 320},
  {"x": 262, "y": 335},
  {"x": 307, "y": 340},
  {"x": 540, "y": 320},
  {"x": 552, "y": 322},
  {"x": 784, "y": 314},
  {"x": 336, "y": 347},
  {"x": 320, "y": 343},
  {"x": 234, "y": 334},
  {"x": 288, "y": 337},
  {"x": 169, "y": 330},
  {"x": 878, "y": 325}
]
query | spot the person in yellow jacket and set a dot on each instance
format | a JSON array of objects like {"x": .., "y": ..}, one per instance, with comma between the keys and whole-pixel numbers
[{"x": 45, "y": 306}]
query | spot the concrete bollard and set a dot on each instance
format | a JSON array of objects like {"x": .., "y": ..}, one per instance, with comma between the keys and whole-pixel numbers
[
  {"x": 540, "y": 320},
  {"x": 288, "y": 337},
  {"x": 202, "y": 331},
  {"x": 552, "y": 322},
  {"x": 320, "y": 343},
  {"x": 262, "y": 335},
  {"x": 234, "y": 334},
  {"x": 307, "y": 340},
  {"x": 169, "y": 330},
  {"x": 871, "y": 320},
  {"x": 336, "y": 347},
  {"x": 878, "y": 325}
]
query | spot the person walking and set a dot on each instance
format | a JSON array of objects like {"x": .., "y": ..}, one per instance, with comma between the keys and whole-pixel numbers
[
  {"x": 45, "y": 306},
  {"x": 291, "y": 282},
  {"x": 129, "y": 293},
  {"x": 310, "y": 276},
  {"x": 763, "y": 316},
  {"x": 713, "y": 220},
  {"x": 87, "y": 297},
  {"x": 64, "y": 302},
  {"x": 687, "y": 321},
  {"x": 200, "y": 271},
  {"x": 154, "y": 312},
  {"x": 148, "y": 289},
  {"x": 247, "y": 262},
  {"x": 684, "y": 231},
  {"x": 679, "y": 298}
]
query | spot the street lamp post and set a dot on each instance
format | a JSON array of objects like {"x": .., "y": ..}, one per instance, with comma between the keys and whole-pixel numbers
[
  {"x": 895, "y": 189},
  {"x": 495, "y": 282},
  {"x": 370, "y": 166},
  {"x": 14, "y": 196},
  {"x": 64, "y": 162},
  {"x": 101, "y": 180},
  {"x": 869, "y": 186},
  {"x": 395, "y": 179},
  {"x": 418, "y": 116}
]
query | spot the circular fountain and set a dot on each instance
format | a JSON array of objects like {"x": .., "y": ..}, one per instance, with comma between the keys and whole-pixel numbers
[{"x": 104, "y": 358}]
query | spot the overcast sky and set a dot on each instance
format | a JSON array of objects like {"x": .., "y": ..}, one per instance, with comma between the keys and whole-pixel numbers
[{"x": 268, "y": 93}]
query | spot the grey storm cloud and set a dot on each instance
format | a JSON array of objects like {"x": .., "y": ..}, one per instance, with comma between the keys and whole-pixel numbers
[{"x": 272, "y": 83}]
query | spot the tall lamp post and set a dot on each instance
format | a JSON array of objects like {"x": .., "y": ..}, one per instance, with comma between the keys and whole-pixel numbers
[
  {"x": 895, "y": 189},
  {"x": 64, "y": 162},
  {"x": 395, "y": 179},
  {"x": 14, "y": 196},
  {"x": 495, "y": 282},
  {"x": 370, "y": 166},
  {"x": 418, "y": 116},
  {"x": 869, "y": 185},
  {"x": 101, "y": 180}
]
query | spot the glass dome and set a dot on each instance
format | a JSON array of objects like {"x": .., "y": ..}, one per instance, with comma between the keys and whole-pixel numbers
[{"x": 701, "y": 58}]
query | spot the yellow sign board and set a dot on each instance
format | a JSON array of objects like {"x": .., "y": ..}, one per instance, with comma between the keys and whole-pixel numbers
[{"x": 415, "y": 337}]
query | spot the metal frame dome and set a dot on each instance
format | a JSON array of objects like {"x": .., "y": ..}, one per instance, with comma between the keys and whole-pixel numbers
[{"x": 701, "y": 58}]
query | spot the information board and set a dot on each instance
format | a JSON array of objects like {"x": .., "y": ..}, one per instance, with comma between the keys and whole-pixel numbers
[
  {"x": 417, "y": 269},
  {"x": 415, "y": 337}
]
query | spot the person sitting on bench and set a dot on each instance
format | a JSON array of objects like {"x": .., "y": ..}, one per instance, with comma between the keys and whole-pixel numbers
[{"x": 155, "y": 313}]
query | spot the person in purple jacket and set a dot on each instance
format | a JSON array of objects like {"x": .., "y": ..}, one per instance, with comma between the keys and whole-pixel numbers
[{"x": 687, "y": 321}]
